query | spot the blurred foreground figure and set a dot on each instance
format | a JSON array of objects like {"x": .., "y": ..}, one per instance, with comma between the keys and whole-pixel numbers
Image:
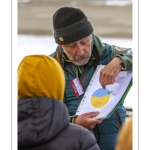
[
  {"x": 124, "y": 141},
  {"x": 43, "y": 120},
  {"x": 79, "y": 51}
]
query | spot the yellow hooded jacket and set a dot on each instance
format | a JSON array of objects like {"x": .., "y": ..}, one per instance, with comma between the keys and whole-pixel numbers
[
  {"x": 40, "y": 75},
  {"x": 43, "y": 120}
]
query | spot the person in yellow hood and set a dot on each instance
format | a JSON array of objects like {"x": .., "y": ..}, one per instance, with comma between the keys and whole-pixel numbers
[{"x": 43, "y": 119}]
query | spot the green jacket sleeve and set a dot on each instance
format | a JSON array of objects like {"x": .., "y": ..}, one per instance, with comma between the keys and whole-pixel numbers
[{"x": 124, "y": 53}]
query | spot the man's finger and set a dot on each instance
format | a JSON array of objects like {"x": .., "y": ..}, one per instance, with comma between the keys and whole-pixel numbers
[{"x": 92, "y": 114}]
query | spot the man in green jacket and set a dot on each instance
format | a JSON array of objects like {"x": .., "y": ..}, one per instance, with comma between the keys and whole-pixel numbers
[{"x": 79, "y": 52}]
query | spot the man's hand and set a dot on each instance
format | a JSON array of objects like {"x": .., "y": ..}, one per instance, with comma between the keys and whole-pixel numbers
[
  {"x": 86, "y": 120},
  {"x": 110, "y": 71}
]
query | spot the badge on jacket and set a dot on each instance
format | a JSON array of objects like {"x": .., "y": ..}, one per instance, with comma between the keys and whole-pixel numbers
[{"x": 77, "y": 87}]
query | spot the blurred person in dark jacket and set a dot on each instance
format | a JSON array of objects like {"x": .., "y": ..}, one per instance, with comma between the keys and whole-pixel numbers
[{"x": 43, "y": 120}]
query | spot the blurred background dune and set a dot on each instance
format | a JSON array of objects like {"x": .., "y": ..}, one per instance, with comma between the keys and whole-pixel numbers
[{"x": 108, "y": 19}]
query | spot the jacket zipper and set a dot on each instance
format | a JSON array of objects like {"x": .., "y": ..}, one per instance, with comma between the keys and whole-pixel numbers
[{"x": 83, "y": 79}]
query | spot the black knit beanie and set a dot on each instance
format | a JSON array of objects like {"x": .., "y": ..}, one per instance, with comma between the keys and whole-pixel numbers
[{"x": 70, "y": 25}]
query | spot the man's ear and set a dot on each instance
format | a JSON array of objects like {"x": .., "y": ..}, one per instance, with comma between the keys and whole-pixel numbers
[{"x": 60, "y": 46}]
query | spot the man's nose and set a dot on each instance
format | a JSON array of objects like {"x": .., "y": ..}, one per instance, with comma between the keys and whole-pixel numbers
[{"x": 80, "y": 51}]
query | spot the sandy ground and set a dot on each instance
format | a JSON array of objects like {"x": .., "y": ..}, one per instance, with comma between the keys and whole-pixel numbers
[{"x": 35, "y": 17}]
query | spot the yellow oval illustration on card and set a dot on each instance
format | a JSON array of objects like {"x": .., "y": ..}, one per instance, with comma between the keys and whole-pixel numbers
[{"x": 100, "y": 97}]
